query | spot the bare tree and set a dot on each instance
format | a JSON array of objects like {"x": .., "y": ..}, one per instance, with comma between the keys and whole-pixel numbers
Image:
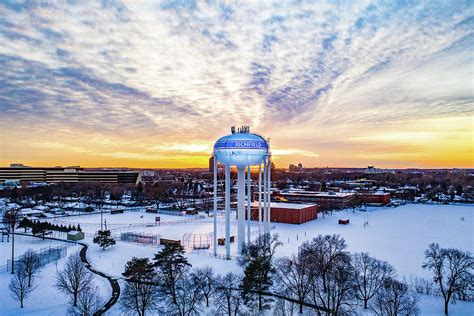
[
  {"x": 188, "y": 296},
  {"x": 395, "y": 298},
  {"x": 451, "y": 268},
  {"x": 31, "y": 265},
  {"x": 88, "y": 302},
  {"x": 421, "y": 286},
  {"x": 334, "y": 291},
  {"x": 332, "y": 285},
  {"x": 140, "y": 293},
  {"x": 465, "y": 291},
  {"x": 19, "y": 286},
  {"x": 205, "y": 280},
  {"x": 228, "y": 298},
  {"x": 369, "y": 275},
  {"x": 295, "y": 276},
  {"x": 74, "y": 277},
  {"x": 283, "y": 307}
]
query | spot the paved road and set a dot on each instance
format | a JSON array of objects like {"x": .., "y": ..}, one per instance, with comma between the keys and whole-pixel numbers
[{"x": 113, "y": 282}]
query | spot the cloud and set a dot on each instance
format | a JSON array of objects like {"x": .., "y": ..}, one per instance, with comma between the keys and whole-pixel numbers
[{"x": 165, "y": 73}]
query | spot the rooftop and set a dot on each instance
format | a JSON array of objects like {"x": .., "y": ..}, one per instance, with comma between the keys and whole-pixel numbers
[
  {"x": 320, "y": 194},
  {"x": 294, "y": 206}
]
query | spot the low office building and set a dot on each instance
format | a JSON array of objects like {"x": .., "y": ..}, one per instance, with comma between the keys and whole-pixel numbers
[{"x": 18, "y": 172}]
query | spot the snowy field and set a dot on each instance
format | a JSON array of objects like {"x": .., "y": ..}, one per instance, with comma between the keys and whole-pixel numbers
[
  {"x": 45, "y": 299},
  {"x": 91, "y": 222},
  {"x": 398, "y": 235}
]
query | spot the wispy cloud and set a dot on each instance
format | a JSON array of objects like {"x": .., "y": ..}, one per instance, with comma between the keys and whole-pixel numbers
[{"x": 167, "y": 78}]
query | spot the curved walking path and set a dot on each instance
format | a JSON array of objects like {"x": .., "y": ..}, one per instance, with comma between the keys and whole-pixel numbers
[
  {"x": 83, "y": 255},
  {"x": 113, "y": 282}
]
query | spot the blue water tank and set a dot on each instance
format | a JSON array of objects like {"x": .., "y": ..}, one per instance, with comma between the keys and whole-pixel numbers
[{"x": 241, "y": 149}]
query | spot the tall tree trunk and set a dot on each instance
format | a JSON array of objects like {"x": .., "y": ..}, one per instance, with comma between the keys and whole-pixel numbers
[{"x": 446, "y": 307}]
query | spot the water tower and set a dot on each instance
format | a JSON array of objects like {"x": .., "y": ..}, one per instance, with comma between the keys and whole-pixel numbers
[{"x": 242, "y": 150}]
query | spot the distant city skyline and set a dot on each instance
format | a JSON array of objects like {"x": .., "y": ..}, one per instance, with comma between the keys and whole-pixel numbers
[{"x": 146, "y": 84}]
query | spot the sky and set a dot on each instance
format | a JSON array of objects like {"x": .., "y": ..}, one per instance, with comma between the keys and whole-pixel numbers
[{"x": 153, "y": 84}]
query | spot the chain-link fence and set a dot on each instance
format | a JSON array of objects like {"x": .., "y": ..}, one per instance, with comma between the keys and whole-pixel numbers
[
  {"x": 140, "y": 238},
  {"x": 44, "y": 255}
]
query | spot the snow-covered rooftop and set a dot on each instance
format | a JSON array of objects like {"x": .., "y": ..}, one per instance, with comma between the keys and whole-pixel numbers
[
  {"x": 294, "y": 206},
  {"x": 320, "y": 194}
]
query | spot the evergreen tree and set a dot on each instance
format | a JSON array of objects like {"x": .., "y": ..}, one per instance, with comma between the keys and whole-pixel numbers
[
  {"x": 104, "y": 239},
  {"x": 257, "y": 258},
  {"x": 172, "y": 265},
  {"x": 25, "y": 223},
  {"x": 141, "y": 292},
  {"x": 39, "y": 228},
  {"x": 139, "y": 270}
]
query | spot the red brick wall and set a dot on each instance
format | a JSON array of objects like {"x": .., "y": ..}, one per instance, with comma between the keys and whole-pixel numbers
[
  {"x": 290, "y": 216},
  {"x": 375, "y": 198}
]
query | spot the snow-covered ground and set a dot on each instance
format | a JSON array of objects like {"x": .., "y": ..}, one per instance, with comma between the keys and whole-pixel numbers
[
  {"x": 128, "y": 218},
  {"x": 45, "y": 299},
  {"x": 22, "y": 244},
  {"x": 398, "y": 235}
]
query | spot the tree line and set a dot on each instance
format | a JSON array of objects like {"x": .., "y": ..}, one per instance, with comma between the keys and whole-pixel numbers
[
  {"x": 322, "y": 278},
  {"x": 39, "y": 228}
]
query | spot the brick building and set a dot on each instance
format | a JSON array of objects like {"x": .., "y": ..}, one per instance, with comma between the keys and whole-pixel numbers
[
  {"x": 289, "y": 213},
  {"x": 374, "y": 198},
  {"x": 324, "y": 200}
]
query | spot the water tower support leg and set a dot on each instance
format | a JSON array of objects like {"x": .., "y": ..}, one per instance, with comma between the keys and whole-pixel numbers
[
  {"x": 227, "y": 211},
  {"x": 269, "y": 216},
  {"x": 249, "y": 197},
  {"x": 265, "y": 197},
  {"x": 215, "y": 207},
  {"x": 240, "y": 208},
  {"x": 259, "y": 199}
]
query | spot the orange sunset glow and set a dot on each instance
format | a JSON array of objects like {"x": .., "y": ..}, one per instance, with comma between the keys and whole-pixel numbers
[{"x": 149, "y": 86}]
